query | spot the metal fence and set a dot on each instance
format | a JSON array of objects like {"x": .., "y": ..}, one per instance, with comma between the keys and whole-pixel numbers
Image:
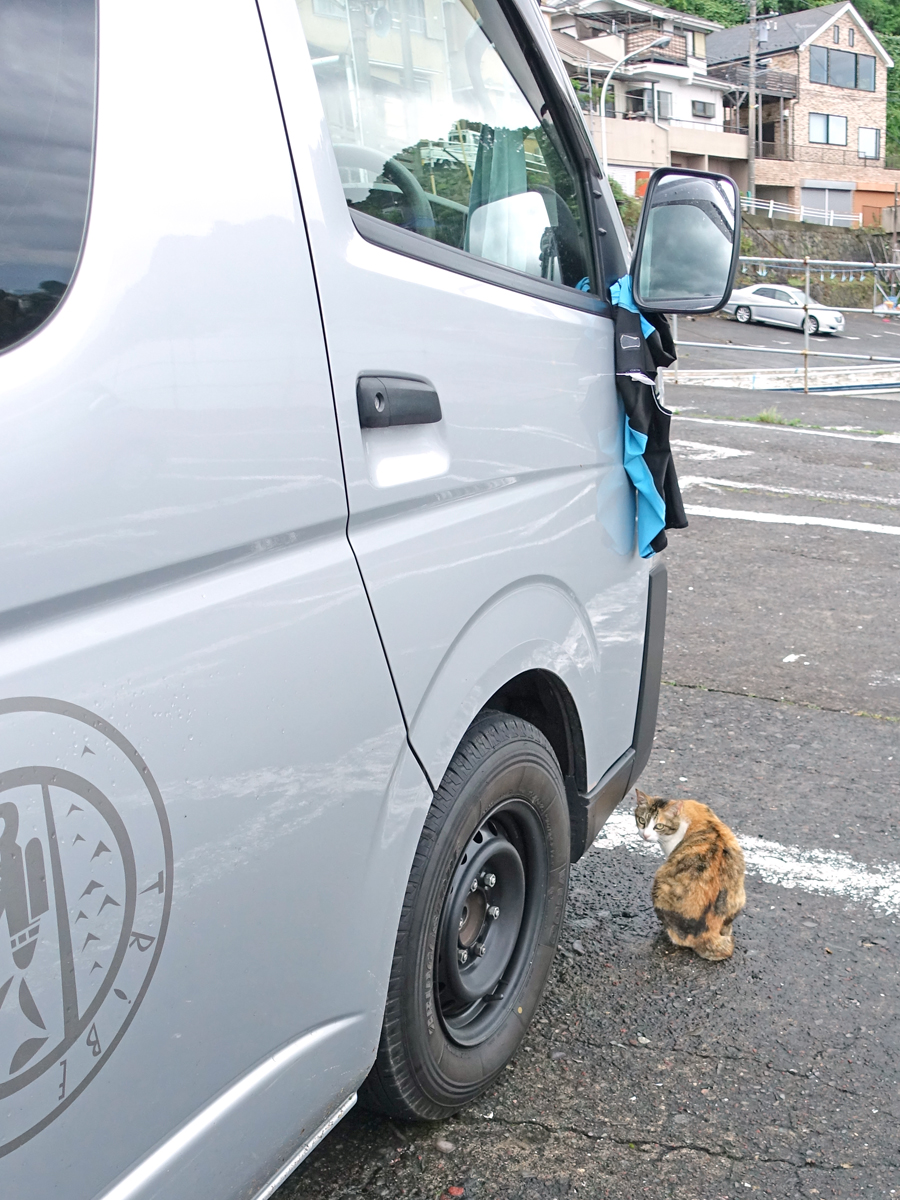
[
  {"x": 821, "y": 216},
  {"x": 884, "y": 276}
]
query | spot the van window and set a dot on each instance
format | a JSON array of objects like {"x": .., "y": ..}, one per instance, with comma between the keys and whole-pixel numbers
[
  {"x": 47, "y": 73},
  {"x": 439, "y": 127}
]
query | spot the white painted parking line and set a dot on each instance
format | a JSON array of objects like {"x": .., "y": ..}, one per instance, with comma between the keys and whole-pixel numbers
[
  {"x": 702, "y": 452},
  {"x": 763, "y": 426},
  {"x": 736, "y": 514},
  {"x": 824, "y": 872},
  {"x": 866, "y": 391},
  {"x": 689, "y": 481}
]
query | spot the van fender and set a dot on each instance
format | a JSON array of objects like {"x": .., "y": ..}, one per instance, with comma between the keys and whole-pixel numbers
[{"x": 535, "y": 624}]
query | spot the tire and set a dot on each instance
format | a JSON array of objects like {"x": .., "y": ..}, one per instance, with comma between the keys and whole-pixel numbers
[
  {"x": 500, "y": 818},
  {"x": 812, "y": 323},
  {"x": 742, "y": 314}
]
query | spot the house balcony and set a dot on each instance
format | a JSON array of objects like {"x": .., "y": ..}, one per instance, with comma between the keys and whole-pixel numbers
[
  {"x": 641, "y": 38},
  {"x": 768, "y": 83},
  {"x": 633, "y": 139},
  {"x": 838, "y": 156}
]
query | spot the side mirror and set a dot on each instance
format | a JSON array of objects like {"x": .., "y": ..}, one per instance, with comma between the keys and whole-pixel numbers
[{"x": 688, "y": 242}]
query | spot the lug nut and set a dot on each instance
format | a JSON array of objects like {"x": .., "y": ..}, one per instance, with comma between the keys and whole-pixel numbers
[
  {"x": 488, "y": 879},
  {"x": 463, "y": 956},
  {"x": 494, "y": 911},
  {"x": 473, "y": 886},
  {"x": 482, "y": 950}
]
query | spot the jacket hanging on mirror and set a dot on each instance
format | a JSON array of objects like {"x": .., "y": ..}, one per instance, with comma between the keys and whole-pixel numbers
[{"x": 644, "y": 344}]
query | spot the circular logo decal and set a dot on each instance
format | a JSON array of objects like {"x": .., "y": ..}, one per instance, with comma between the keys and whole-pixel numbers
[{"x": 85, "y": 892}]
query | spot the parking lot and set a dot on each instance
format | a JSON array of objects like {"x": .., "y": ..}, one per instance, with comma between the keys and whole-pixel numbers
[
  {"x": 864, "y": 333},
  {"x": 649, "y": 1071}
]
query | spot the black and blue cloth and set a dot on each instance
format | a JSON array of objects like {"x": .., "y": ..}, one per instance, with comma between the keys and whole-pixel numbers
[{"x": 644, "y": 344}]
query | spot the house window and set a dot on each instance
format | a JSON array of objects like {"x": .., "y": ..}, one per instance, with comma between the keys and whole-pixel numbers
[
  {"x": 818, "y": 64},
  {"x": 699, "y": 45},
  {"x": 836, "y": 34},
  {"x": 703, "y": 108},
  {"x": 870, "y": 143},
  {"x": 635, "y": 102},
  {"x": 840, "y": 68},
  {"x": 827, "y": 130},
  {"x": 851, "y": 36},
  {"x": 664, "y": 105}
]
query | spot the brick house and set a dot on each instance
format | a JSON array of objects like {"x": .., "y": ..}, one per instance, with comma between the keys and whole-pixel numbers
[{"x": 820, "y": 119}]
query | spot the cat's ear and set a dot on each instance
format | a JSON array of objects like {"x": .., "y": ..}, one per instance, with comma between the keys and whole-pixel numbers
[
  {"x": 640, "y": 798},
  {"x": 679, "y": 807}
]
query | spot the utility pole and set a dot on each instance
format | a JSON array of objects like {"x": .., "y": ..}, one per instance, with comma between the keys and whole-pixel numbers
[
  {"x": 751, "y": 108},
  {"x": 894, "y": 229}
]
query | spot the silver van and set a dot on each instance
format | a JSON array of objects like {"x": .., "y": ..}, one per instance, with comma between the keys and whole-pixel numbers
[{"x": 327, "y": 644}]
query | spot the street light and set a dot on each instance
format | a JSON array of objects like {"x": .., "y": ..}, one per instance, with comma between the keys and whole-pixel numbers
[{"x": 660, "y": 41}]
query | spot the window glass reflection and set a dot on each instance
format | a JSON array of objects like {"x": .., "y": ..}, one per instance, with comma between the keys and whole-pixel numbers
[
  {"x": 434, "y": 133},
  {"x": 47, "y": 73}
]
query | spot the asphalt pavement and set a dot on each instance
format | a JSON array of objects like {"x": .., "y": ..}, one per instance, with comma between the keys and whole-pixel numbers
[
  {"x": 649, "y": 1072},
  {"x": 864, "y": 333}
]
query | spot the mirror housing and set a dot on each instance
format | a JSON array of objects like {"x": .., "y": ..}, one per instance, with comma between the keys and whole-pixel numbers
[{"x": 688, "y": 242}]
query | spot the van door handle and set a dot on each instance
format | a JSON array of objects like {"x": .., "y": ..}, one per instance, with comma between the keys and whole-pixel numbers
[{"x": 384, "y": 400}]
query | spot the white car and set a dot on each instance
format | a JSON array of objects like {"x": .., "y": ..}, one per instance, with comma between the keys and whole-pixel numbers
[{"x": 781, "y": 305}]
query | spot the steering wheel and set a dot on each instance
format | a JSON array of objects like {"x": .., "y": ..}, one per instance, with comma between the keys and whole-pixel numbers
[{"x": 413, "y": 193}]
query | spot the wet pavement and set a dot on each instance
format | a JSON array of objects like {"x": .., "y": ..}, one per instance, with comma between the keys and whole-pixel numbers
[
  {"x": 864, "y": 334},
  {"x": 649, "y": 1072}
]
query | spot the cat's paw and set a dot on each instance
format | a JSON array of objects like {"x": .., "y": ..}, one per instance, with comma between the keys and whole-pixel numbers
[{"x": 716, "y": 951}]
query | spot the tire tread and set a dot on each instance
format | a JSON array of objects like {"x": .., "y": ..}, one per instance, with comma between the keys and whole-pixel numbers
[{"x": 390, "y": 1087}]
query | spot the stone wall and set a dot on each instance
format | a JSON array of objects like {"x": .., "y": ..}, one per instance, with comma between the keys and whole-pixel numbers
[
  {"x": 797, "y": 239},
  {"x": 793, "y": 239}
]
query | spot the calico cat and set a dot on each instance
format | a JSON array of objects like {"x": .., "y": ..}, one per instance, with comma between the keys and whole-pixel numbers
[{"x": 699, "y": 889}]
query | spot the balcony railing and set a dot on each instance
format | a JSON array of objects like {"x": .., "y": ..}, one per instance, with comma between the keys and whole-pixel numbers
[
  {"x": 639, "y": 39},
  {"x": 768, "y": 83},
  {"x": 837, "y": 156}
]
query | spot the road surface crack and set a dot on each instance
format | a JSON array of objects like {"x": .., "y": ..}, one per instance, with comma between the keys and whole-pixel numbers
[
  {"x": 719, "y": 691},
  {"x": 636, "y": 1143}
]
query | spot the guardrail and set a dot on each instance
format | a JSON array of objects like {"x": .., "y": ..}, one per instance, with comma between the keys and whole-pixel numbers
[
  {"x": 888, "y": 270},
  {"x": 822, "y": 216}
]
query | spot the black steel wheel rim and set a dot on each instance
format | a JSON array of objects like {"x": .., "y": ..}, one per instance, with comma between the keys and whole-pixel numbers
[{"x": 490, "y": 922}]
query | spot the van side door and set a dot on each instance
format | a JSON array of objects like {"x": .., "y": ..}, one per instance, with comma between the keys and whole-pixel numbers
[{"x": 471, "y": 349}]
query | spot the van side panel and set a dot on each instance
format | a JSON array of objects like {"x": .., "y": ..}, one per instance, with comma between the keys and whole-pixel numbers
[{"x": 199, "y": 738}]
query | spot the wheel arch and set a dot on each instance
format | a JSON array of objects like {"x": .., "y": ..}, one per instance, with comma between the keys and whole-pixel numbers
[
  {"x": 542, "y": 698},
  {"x": 530, "y": 651}
]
